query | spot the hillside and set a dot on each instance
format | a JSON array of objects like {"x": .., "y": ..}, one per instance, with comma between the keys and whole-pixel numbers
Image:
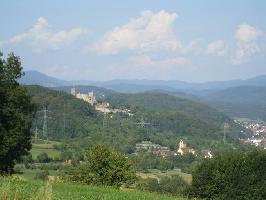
[
  {"x": 38, "y": 78},
  {"x": 67, "y": 117},
  {"x": 243, "y": 94},
  {"x": 174, "y": 108},
  {"x": 242, "y": 101},
  {"x": 168, "y": 120},
  {"x": 163, "y": 102}
]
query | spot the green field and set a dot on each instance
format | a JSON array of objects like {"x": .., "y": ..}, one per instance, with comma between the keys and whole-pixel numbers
[
  {"x": 159, "y": 174},
  {"x": 15, "y": 189},
  {"x": 38, "y": 148}
]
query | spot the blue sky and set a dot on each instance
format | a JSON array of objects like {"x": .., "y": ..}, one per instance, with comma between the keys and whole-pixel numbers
[{"x": 187, "y": 40}]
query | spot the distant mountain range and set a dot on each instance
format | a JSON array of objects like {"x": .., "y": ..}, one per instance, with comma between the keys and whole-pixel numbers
[
  {"x": 241, "y": 98},
  {"x": 135, "y": 86},
  {"x": 240, "y": 101},
  {"x": 38, "y": 78}
]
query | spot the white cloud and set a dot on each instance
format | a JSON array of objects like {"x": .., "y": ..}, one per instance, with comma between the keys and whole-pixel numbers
[
  {"x": 192, "y": 47},
  {"x": 218, "y": 48},
  {"x": 41, "y": 38},
  {"x": 246, "y": 37},
  {"x": 146, "y": 60},
  {"x": 247, "y": 33},
  {"x": 149, "y": 32}
]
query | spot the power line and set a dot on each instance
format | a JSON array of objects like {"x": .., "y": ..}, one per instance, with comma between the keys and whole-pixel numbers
[
  {"x": 142, "y": 123},
  {"x": 104, "y": 120},
  {"x": 226, "y": 126},
  {"x": 64, "y": 118},
  {"x": 45, "y": 122},
  {"x": 36, "y": 134},
  {"x": 44, "y": 127}
]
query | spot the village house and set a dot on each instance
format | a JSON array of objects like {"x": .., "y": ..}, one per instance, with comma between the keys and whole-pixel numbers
[
  {"x": 149, "y": 146},
  {"x": 165, "y": 153}
]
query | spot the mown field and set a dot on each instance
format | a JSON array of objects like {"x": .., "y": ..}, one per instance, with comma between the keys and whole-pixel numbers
[
  {"x": 38, "y": 148},
  {"x": 15, "y": 189}
]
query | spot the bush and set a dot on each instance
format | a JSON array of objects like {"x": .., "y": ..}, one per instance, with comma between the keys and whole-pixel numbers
[
  {"x": 104, "y": 166},
  {"x": 43, "y": 158},
  {"x": 235, "y": 176},
  {"x": 174, "y": 185}
]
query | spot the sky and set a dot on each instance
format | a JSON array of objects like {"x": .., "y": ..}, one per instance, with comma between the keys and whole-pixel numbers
[{"x": 188, "y": 40}]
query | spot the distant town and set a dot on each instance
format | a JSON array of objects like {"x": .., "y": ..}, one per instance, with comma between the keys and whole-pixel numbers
[
  {"x": 258, "y": 130},
  {"x": 164, "y": 151}
]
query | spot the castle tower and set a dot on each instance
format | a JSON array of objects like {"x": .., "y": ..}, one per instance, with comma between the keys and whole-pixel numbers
[
  {"x": 181, "y": 148},
  {"x": 182, "y": 145},
  {"x": 73, "y": 91}
]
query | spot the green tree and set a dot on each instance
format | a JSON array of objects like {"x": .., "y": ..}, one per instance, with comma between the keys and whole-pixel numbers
[
  {"x": 16, "y": 112},
  {"x": 105, "y": 166},
  {"x": 232, "y": 176}
]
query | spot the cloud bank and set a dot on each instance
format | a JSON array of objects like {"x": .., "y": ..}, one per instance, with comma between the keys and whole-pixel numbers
[
  {"x": 40, "y": 37},
  {"x": 246, "y": 37},
  {"x": 147, "y": 33}
]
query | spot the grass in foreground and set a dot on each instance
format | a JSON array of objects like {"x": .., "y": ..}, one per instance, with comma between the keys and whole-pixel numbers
[{"x": 14, "y": 189}]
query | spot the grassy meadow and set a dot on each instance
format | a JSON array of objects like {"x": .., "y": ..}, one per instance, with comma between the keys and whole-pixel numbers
[{"x": 12, "y": 188}]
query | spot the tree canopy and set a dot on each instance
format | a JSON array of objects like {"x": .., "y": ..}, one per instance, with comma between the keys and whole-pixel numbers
[
  {"x": 232, "y": 176},
  {"x": 16, "y": 113},
  {"x": 105, "y": 166}
]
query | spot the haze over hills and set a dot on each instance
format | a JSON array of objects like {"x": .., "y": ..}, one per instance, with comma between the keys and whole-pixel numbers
[
  {"x": 38, "y": 78},
  {"x": 240, "y": 94},
  {"x": 241, "y": 101},
  {"x": 134, "y": 86}
]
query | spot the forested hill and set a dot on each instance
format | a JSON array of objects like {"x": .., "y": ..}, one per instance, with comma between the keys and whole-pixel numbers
[
  {"x": 243, "y": 94},
  {"x": 67, "y": 117},
  {"x": 243, "y": 101},
  {"x": 168, "y": 120},
  {"x": 162, "y": 102}
]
